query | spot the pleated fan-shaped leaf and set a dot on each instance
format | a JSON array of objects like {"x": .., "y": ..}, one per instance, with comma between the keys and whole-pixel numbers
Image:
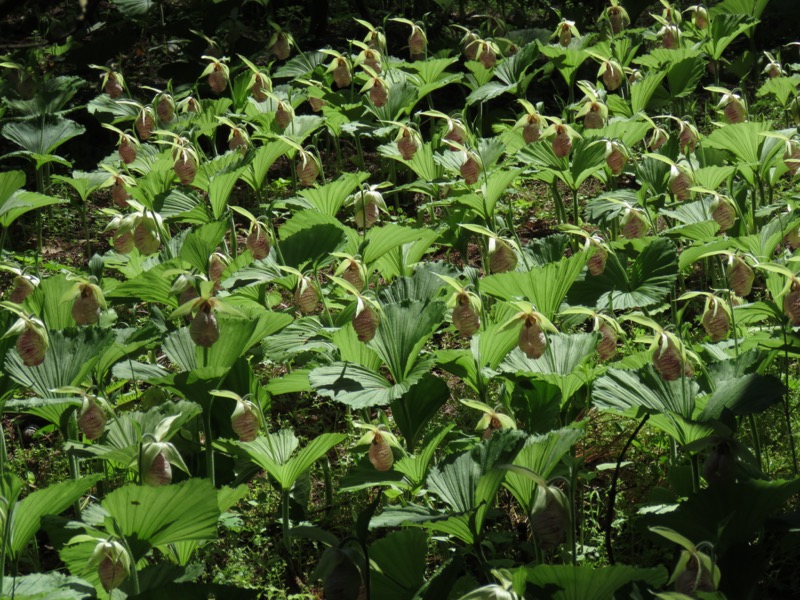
[
  {"x": 707, "y": 514},
  {"x": 745, "y": 395},
  {"x": 48, "y": 586},
  {"x": 41, "y": 137},
  {"x": 401, "y": 260},
  {"x": 275, "y": 454},
  {"x": 303, "y": 126},
  {"x": 50, "y": 409},
  {"x": 628, "y": 393},
  {"x": 227, "y": 497},
  {"x": 545, "y": 287},
  {"x": 361, "y": 387},
  {"x": 23, "y": 517},
  {"x": 647, "y": 282},
  {"x": 398, "y": 564},
  {"x": 380, "y": 240},
  {"x": 148, "y": 286},
  {"x": 200, "y": 242},
  {"x": 330, "y": 198},
  {"x": 255, "y": 172},
  {"x": 642, "y": 91},
  {"x": 404, "y": 330},
  {"x": 415, "y": 408},
  {"x": 311, "y": 241},
  {"x": 743, "y": 140},
  {"x": 124, "y": 433},
  {"x": 236, "y": 337},
  {"x": 561, "y": 364},
  {"x": 422, "y": 163},
  {"x": 153, "y": 516},
  {"x": 127, "y": 342},
  {"x": 300, "y": 65},
  {"x": 21, "y": 202},
  {"x": 69, "y": 359},
  {"x": 471, "y": 481},
  {"x": 541, "y": 454},
  {"x": 590, "y": 583},
  {"x": 629, "y": 131},
  {"x": 45, "y": 301},
  {"x": 10, "y": 182},
  {"x": 670, "y": 404}
]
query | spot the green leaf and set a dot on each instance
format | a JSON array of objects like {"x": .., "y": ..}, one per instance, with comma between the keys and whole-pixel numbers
[
  {"x": 351, "y": 350},
  {"x": 490, "y": 90},
  {"x": 629, "y": 131},
  {"x": 201, "y": 242},
  {"x": 541, "y": 454},
  {"x": 415, "y": 468},
  {"x": 360, "y": 387},
  {"x": 647, "y": 282},
  {"x": 415, "y": 408},
  {"x": 22, "y": 202},
  {"x": 495, "y": 188},
  {"x": 42, "y": 137},
  {"x": 255, "y": 173},
  {"x": 753, "y": 8},
  {"x": 590, "y": 583},
  {"x": 46, "y": 301},
  {"x": 683, "y": 76},
  {"x": 401, "y": 260},
  {"x": 675, "y": 537},
  {"x": 51, "y": 97},
  {"x": 380, "y": 240},
  {"x": 301, "y": 65},
  {"x": 545, "y": 287},
  {"x": 236, "y": 337},
  {"x": 311, "y": 237},
  {"x": 402, "y": 334},
  {"x": 48, "y": 586},
  {"x": 642, "y": 91},
  {"x": 471, "y": 481},
  {"x": 125, "y": 432},
  {"x": 273, "y": 454},
  {"x": 154, "y": 516},
  {"x": 50, "y": 409},
  {"x": 133, "y": 9},
  {"x": 69, "y": 360},
  {"x": 10, "y": 182},
  {"x": 422, "y": 163},
  {"x": 706, "y": 515},
  {"x": 149, "y": 286},
  {"x": 781, "y": 87},
  {"x": 329, "y": 198},
  {"x": 26, "y": 515},
  {"x": 398, "y": 564},
  {"x": 743, "y": 140},
  {"x": 562, "y": 363},
  {"x": 723, "y": 30},
  {"x": 627, "y": 393},
  {"x": 746, "y": 395}
]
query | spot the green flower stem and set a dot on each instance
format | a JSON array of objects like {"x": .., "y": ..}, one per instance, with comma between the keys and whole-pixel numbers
[
  {"x": 575, "y": 208},
  {"x": 323, "y": 298},
  {"x": 326, "y": 473},
  {"x": 70, "y": 432},
  {"x": 134, "y": 572},
  {"x": 612, "y": 495},
  {"x": 209, "y": 441},
  {"x": 786, "y": 410},
  {"x": 6, "y": 536},
  {"x": 234, "y": 243},
  {"x": 695, "y": 464}
]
